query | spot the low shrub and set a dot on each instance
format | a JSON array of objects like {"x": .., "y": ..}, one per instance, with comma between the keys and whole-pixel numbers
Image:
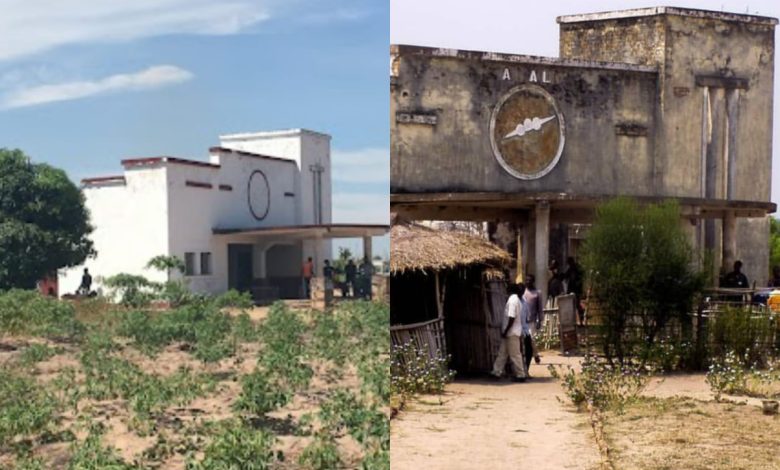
[
  {"x": 236, "y": 445},
  {"x": 26, "y": 408},
  {"x": 261, "y": 394},
  {"x": 321, "y": 454},
  {"x": 749, "y": 335},
  {"x": 413, "y": 370},
  {"x": 29, "y": 313},
  {"x": 90, "y": 454},
  {"x": 601, "y": 385}
]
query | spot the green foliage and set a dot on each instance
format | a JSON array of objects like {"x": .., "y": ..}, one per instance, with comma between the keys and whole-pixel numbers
[
  {"x": 774, "y": 243},
  {"x": 726, "y": 375},
  {"x": 601, "y": 385},
  {"x": 132, "y": 290},
  {"x": 109, "y": 377},
  {"x": 44, "y": 225},
  {"x": 639, "y": 266},
  {"x": 28, "y": 312},
  {"x": 261, "y": 394},
  {"x": 284, "y": 351},
  {"x": 321, "y": 454},
  {"x": 26, "y": 408},
  {"x": 200, "y": 324},
  {"x": 747, "y": 334},
  {"x": 37, "y": 353},
  {"x": 413, "y": 370},
  {"x": 166, "y": 263},
  {"x": 234, "y": 299},
  {"x": 237, "y": 446},
  {"x": 92, "y": 455}
]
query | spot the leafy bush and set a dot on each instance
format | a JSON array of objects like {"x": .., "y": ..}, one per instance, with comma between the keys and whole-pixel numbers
[
  {"x": 238, "y": 446},
  {"x": 260, "y": 394},
  {"x": 28, "y": 312},
  {"x": 639, "y": 266},
  {"x": 26, "y": 408},
  {"x": 602, "y": 385},
  {"x": 414, "y": 371},
  {"x": 132, "y": 290}
]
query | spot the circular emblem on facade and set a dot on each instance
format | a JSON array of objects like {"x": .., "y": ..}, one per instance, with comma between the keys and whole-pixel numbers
[
  {"x": 527, "y": 132},
  {"x": 258, "y": 195}
]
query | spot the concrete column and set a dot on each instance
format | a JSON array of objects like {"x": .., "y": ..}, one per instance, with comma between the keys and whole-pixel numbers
[
  {"x": 729, "y": 240},
  {"x": 319, "y": 257},
  {"x": 542, "y": 247},
  {"x": 529, "y": 247},
  {"x": 367, "y": 249}
]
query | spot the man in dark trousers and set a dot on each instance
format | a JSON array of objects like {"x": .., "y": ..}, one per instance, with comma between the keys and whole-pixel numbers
[
  {"x": 350, "y": 272},
  {"x": 573, "y": 277}
]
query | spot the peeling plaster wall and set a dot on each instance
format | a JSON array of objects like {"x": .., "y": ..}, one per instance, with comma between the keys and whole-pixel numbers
[{"x": 455, "y": 154}]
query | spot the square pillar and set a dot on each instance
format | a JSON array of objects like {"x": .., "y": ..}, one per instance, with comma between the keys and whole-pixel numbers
[
  {"x": 367, "y": 249},
  {"x": 542, "y": 248}
]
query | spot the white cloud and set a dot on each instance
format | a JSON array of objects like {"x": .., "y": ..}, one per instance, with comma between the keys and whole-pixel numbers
[
  {"x": 28, "y": 27},
  {"x": 361, "y": 208},
  {"x": 152, "y": 77},
  {"x": 371, "y": 165}
]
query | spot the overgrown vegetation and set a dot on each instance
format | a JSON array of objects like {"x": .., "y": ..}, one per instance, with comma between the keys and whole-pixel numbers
[
  {"x": 180, "y": 376},
  {"x": 602, "y": 386},
  {"x": 415, "y": 371},
  {"x": 639, "y": 268}
]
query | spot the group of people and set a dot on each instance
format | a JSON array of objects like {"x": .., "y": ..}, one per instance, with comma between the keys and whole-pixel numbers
[
  {"x": 356, "y": 279},
  {"x": 523, "y": 316}
]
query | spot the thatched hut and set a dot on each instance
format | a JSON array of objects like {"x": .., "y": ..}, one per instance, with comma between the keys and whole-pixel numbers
[{"x": 448, "y": 293}]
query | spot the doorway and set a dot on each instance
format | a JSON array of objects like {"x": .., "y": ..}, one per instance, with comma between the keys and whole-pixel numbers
[{"x": 240, "y": 270}]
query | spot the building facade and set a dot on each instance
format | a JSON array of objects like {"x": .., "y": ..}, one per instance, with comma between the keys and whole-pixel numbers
[
  {"x": 245, "y": 219},
  {"x": 652, "y": 103}
]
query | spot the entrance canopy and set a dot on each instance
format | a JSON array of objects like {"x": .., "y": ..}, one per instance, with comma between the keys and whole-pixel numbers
[{"x": 310, "y": 232}]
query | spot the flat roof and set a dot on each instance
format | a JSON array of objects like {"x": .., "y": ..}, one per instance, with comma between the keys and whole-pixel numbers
[
  {"x": 244, "y": 153},
  {"x": 655, "y": 11},
  {"x": 309, "y": 231},
  {"x": 146, "y": 161},
  {"x": 399, "y": 49},
  {"x": 271, "y": 134}
]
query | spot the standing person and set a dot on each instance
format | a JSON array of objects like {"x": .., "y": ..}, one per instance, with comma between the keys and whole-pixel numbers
[
  {"x": 86, "y": 283},
  {"x": 555, "y": 285},
  {"x": 573, "y": 278},
  {"x": 327, "y": 273},
  {"x": 366, "y": 272},
  {"x": 736, "y": 278},
  {"x": 350, "y": 272},
  {"x": 515, "y": 314},
  {"x": 307, "y": 272},
  {"x": 535, "y": 303}
]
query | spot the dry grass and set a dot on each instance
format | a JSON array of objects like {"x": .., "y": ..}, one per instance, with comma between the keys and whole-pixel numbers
[{"x": 682, "y": 433}]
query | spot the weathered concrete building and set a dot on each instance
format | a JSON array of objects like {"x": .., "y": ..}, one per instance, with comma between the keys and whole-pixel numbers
[{"x": 652, "y": 103}]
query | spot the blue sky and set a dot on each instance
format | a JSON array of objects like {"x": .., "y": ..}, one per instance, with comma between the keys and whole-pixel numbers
[
  {"x": 508, "y": 26},
  {"x": 85, "y": 83}
]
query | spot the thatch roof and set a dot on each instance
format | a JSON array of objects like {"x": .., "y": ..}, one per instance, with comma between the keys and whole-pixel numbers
[{"x": 417, "y": 248}]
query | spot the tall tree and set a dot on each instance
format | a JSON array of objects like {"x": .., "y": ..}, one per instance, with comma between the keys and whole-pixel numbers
[{"x": 44, "y": 225}]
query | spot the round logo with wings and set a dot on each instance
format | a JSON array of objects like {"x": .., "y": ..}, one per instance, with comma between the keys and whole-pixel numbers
[
  {"x": 258, "y": 195},
  {"x": 527, "y": 132}
]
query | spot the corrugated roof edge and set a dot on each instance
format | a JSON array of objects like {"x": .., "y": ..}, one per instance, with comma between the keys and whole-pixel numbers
[
  {"x": 398, "y": 49},
  {"x": 654, "y": 11}
]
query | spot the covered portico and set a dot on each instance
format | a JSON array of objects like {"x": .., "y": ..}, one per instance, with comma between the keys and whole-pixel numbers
[
  {"x": 267, "y": 260},
  {"x": 710, "y": 223}
]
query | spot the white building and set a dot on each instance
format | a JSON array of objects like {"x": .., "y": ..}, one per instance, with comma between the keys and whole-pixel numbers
[{"x": 246, "y": 219}]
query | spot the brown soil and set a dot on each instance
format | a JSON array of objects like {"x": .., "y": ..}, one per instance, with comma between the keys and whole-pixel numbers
[{"x": 495, "y": 425}]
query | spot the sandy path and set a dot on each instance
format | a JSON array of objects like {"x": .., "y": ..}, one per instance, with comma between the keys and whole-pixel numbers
[{"x": 495, "y": 425}]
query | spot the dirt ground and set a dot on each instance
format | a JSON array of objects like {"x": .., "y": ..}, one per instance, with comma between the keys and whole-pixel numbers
[{"x": 479, "y": 423}]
